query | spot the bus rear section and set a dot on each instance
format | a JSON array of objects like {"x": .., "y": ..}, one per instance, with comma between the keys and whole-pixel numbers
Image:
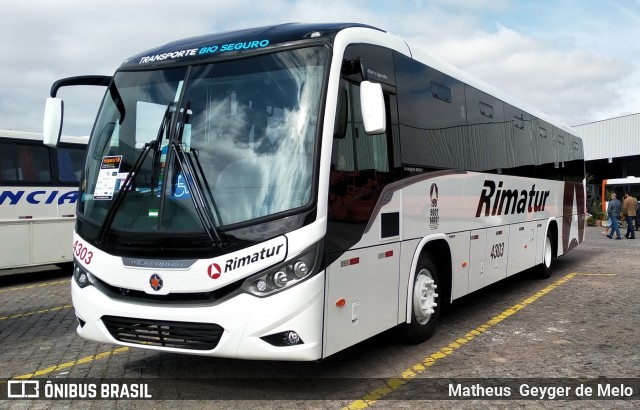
[
  {"x": 619, "y": 186},
  {"x": 38, "y": 194}
]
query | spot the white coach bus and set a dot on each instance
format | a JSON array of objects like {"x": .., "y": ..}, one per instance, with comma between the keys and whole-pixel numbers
[
  {"x": 286, "y": 192},
  {"x": 620, "y": 186},
  {"x": 38, "y": 193}
]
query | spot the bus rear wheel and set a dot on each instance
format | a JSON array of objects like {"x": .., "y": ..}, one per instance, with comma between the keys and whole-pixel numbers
[
  {"x": 544, "y": 269},
  {"x": 425, "y": 302}
]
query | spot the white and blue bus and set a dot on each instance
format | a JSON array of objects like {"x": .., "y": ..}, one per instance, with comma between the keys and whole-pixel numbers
[
  {"x": 38, "y": 194},
  {"x": 286, "y": 192}
]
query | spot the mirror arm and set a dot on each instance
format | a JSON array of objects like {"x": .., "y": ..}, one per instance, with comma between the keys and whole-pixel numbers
[{"x": 100, "y": 80}]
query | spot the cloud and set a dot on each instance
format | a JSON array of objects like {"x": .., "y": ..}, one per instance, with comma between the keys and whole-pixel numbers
[
  {"x": 569, "y": 85},
  {"x": 58, "y": 39}
]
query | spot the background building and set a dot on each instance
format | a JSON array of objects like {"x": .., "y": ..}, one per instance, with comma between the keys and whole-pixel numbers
[{"x": 611, "y": 150}]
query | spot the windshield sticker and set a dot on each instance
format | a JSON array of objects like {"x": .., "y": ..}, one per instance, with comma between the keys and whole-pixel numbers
[
  {"x": 108, "y": 177},
  {"x": 180, "y": 188},
  {"x": 206, "y": 50},
  {"x": 122, "y": 176}
]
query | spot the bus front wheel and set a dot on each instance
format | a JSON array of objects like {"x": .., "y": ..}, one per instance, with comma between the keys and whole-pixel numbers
[{"x": 425, "y": 302}]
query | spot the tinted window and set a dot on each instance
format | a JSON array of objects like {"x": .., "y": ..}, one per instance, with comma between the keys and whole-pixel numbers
[
  {"x": 445, "y": 124},
  {"x": 433, "y": 130},
  {"x": 70, "y": 162},
  {"x": 23, "y": 162}
]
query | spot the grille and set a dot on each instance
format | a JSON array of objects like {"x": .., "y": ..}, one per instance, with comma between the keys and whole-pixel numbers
[
  {"x": 180, "y": 335},
  {"x": 182, "y": 298}
]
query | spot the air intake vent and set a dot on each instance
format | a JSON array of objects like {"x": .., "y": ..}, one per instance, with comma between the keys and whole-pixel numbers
[{"x": 180, "y": 335}]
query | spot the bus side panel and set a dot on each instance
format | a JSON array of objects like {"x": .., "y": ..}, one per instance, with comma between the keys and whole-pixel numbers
[
  {"x": 15, "y": 249},
  {"x": 51, "y": 241},
  {"x": 522, "y": 249},
  {"x": 497, "y": 252},
  {"x": 477, "y": 259},
  {"x": 36, "y": 225},
  {"x": 362, "y": 295},
  {"x": 459, "y": 244},
  {"x": 541, "y": 228},
  {"x": 407, "y": 251}
]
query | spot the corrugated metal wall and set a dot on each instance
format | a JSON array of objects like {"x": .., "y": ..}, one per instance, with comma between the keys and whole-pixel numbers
[{"x": 612, "y": 138}]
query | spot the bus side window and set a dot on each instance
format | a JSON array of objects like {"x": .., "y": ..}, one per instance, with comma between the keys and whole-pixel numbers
[
  {"x": 8, "y": 163},
  {"x": 69, "y": 164},
  {"x": 359, "y": 165},
  {"x": 34, "y": 164}
]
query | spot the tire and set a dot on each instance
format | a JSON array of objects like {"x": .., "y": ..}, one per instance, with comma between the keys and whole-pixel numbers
[
  {"x": 65, "y": 266},
  {"x": 544, "y": 269},
  {"x": 425, "y": 302}
]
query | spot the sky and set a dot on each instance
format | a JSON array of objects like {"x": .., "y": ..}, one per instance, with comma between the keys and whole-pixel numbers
[{"x": 576, "y": 60}]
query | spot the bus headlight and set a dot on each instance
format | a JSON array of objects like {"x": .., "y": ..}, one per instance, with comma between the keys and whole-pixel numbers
[
  {"x": 280, "y": 279},
  {"x": 81, "y": 276},
  {"x": 285, "y": 275},
  {"x": 301, "y": 269}
]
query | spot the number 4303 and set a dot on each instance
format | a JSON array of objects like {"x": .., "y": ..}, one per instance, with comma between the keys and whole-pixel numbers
[
  {"x": 81, "y": 252},
  {"x": 497, "y": 250}
]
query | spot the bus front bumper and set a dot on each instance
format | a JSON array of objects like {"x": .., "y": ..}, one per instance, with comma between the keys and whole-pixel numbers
[{"x": 244, "y": 320}]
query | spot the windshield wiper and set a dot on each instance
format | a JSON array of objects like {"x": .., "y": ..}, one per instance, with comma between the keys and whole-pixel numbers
[
  {"x": 126, "y": 186},
  {"x": 131, "y": 176},
  {"x": 195, "y": 158},
  {"x": 194, "y": 182}
]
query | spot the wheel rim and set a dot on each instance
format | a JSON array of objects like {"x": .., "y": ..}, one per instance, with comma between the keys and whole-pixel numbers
[
  {"x": 547, "y": 252},
  {"x": 424, "y": 296}
]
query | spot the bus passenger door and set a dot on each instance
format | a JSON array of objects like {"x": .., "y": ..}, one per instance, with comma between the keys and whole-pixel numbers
[{"x": 362, "y": 241}]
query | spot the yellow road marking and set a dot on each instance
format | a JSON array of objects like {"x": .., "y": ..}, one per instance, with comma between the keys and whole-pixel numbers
[
  {"x": 596, "y": 274},
  {"x": 83, "y": 360},
  {"x": 371, "y": 397},
  {"x": 394, "y": 383},
  {"x": 53, "y": 309},
  {"x": 35, "y": 286}
]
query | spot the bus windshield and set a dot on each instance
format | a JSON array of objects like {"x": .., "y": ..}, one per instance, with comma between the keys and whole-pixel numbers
[{"x": 247, "y": 128}]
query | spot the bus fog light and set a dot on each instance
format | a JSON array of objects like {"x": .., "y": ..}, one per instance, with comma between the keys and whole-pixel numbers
[
  {"x": 261, "y": 285},
  {"x": 83, "y": 280},
  {"x": 81, "y": 276},
  {"x": 283, "y": 339},
  {"x": 280, "y": 279},
  {"x": 292, "y": 338},
  {"x": 300, "y": 269}
]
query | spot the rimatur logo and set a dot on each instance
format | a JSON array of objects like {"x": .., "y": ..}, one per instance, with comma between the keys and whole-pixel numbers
[
  {"x": 214, "y": 271},
  {"x": 246, "y": 261}
]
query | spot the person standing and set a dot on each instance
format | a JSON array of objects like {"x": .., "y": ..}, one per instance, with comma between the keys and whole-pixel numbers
[
  {"x": 629, "y": 208},
  {"x": 637, "y": 214},
  {"x": 613, "y": 210}
]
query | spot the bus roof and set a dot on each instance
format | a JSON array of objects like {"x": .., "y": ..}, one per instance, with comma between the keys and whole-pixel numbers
[
  {"x": 36, "y": 136},
  {"x": 233, "y": 42},
  {"x": 455, "y": 72},
  {"x": 622, "y": 181}
]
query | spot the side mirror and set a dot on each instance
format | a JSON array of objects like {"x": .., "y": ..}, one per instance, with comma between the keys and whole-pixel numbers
[
  {"x": 373, "y": 111},
  {"x": 52, "y": 123},
  {"x": 53, "y": 110}
]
